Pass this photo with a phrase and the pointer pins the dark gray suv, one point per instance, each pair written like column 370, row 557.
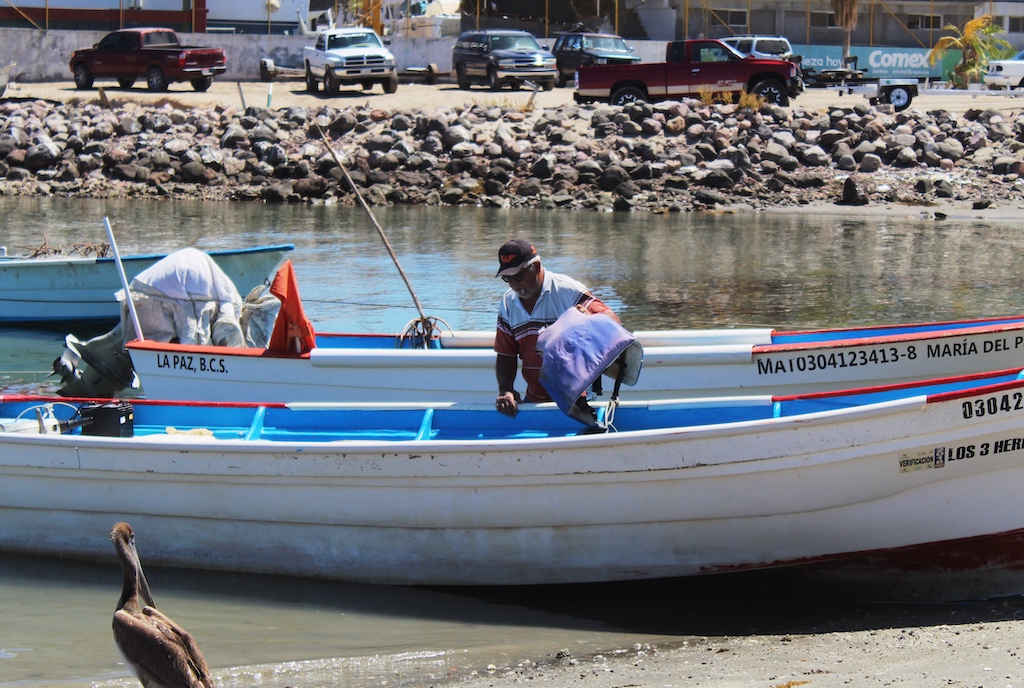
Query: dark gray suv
column 495, row 57
column 578, row 49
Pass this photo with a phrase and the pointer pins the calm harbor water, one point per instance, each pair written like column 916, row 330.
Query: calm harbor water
column 788, row 271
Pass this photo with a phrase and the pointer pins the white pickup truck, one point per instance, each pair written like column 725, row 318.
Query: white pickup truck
column 349, row 56
column 1006, row 74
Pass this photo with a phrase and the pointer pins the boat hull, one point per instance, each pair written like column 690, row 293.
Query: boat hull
column 935, row 475
column 676, row 363
column 47, row 290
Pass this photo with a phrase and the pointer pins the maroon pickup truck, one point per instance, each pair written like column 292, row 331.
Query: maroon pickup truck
column 690, row 66
column 154, row 54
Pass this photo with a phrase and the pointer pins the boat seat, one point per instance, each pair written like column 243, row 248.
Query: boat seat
column 426, row 425
column 256, row 427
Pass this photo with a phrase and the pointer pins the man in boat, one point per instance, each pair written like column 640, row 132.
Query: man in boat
column 534, row 300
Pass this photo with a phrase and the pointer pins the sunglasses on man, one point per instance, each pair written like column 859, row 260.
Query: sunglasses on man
column 519, row 276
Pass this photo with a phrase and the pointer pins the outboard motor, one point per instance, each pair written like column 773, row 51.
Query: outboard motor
column 99, row 367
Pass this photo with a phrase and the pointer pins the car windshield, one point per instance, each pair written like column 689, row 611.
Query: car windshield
column 612, row 44
column 514, row 43
column 354, row 40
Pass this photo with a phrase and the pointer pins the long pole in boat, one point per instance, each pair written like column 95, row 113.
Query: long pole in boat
column 426, row 323
column 124, row 281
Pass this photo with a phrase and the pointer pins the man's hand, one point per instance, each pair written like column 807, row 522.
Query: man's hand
column 508, row 403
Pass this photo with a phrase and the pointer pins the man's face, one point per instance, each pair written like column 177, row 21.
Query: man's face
column 526, row 283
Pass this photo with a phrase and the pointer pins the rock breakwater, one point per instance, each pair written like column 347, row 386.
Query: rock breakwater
column 654, row 157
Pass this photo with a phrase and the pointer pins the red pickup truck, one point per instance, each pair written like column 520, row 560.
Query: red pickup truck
column 690, row 66
column 154, row 54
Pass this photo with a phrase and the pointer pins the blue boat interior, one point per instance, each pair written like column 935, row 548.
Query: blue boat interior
column 374, row 341
column 318, row 424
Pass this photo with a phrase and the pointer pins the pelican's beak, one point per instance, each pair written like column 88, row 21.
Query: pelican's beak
column 143, row 583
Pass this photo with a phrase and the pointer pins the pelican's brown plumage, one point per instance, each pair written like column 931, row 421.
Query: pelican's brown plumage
column 158, row 651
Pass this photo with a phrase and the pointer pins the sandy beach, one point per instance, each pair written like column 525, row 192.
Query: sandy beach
column 768, row 631
column 423, row 97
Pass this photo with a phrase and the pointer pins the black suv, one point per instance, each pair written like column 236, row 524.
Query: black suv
column 575, row 50
column 496, row 57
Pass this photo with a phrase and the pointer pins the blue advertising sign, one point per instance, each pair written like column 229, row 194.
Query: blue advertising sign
column 884, row 62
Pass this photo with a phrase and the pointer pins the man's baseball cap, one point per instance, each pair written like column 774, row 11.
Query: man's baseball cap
column 513, row 255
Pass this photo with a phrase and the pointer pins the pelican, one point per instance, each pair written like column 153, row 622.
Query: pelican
column 158, row 651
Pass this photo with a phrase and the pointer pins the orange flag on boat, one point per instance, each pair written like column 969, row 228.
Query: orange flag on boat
column 292, row 330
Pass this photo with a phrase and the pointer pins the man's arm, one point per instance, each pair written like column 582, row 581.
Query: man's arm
column 505, row 369
column 596, row 305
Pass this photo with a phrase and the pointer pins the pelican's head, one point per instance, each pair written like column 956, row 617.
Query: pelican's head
column 123, row 538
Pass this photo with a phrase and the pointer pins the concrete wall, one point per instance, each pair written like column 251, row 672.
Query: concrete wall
column 44, row 55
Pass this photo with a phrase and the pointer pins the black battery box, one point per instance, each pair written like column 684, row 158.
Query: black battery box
column 108, row 419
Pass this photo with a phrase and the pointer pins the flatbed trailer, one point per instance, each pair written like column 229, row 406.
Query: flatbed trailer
column 896, row 92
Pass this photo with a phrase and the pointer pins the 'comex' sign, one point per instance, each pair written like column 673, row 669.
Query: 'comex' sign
column 887, row 62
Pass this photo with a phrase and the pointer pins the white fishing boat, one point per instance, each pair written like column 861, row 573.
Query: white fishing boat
column 913, row 483
column 62, row 288
column 459, row 366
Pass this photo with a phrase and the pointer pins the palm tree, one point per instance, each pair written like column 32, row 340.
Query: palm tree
column 978, row 44
column 846, row 16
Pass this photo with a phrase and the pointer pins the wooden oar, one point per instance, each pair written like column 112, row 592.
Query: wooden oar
column 424, row 326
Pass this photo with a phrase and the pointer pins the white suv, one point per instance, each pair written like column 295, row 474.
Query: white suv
column 776, row 47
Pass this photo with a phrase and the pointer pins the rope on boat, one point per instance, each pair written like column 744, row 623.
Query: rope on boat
column 423, row 326
column 414, row 329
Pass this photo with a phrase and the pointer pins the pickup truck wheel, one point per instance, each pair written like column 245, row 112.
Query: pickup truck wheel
column 330, row 85
column 125, row 82
column 155, row 79
column 461, row 78
column 492, row 80
column 548, row 85
column 83, row 77
column 391, row 85
column 899, row 97
column 312, row 86
column 202, row 84
column 561, row 81
column 626, row 95
column 772, row 91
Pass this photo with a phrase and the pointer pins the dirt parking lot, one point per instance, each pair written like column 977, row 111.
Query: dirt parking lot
column 427, row 98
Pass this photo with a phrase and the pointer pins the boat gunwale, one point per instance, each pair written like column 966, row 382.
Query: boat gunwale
column 937, row 334
column 698, row 348
column 504, row 445
column 19, row 261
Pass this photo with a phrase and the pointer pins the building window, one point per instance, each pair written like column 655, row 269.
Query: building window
column 924, row 21
column 823, row 20
column 1016, row 25
column 733, row 18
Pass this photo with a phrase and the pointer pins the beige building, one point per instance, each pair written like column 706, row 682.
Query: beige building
column 901, row 23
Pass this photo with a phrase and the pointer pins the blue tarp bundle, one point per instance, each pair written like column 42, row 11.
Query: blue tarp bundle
column 576, row 349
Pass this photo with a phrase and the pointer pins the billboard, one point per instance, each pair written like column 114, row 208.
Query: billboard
column 883, row 62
